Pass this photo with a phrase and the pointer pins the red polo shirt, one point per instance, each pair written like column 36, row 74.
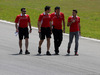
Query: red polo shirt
column 22, row 20
column 74, row 26
column 57, row 20
column 45, row 20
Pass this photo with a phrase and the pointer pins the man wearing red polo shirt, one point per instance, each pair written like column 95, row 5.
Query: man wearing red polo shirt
column 57, row 19
column 74, row 24
column 23, row 20
column 44, row 29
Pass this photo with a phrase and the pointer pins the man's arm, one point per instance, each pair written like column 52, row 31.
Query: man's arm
column 16, row 26
column 63, row 23
column 63, row 26
column 30, row 27
column 69, row 23
column 16, row 22
column 51, row 22
column 39, row 26
column 79, row 29
column 51, row 26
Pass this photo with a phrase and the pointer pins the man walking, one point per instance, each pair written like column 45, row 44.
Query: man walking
column 44, row 29
column 74, row 24
column 23, row 20
column 57, row 19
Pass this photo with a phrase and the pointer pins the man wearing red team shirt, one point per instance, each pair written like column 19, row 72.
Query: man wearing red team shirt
column 74, row 24
column 23, row 20
column 57, row 19
column 44, row 29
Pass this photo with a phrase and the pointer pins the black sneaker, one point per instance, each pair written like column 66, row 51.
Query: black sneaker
column 68, row 51
column 39, row 50
column 21, row 51
column 76, row 54
column 48, row 53
column 56, row 52
column 27, row 52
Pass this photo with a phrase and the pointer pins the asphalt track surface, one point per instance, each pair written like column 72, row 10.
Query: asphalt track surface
column 11, row 63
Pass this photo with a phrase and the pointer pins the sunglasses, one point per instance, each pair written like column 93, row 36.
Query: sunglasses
column 23, row 11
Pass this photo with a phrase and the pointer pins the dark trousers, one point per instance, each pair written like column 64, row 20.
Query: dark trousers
column 58, row 36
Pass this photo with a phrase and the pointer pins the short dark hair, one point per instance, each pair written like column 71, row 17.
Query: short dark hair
column 47, row 8
column 75, row 11
column 23, row 9
column 57, row 7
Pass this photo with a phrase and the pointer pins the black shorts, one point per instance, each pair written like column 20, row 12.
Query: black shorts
column 45, row 32
column 23, row 32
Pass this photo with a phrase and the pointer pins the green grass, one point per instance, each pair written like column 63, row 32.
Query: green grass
column 88, row 10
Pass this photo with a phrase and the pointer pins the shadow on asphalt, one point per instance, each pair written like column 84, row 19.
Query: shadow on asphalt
column 70, row 55
column 52, row 55
column 17, row 54
column 43, row 55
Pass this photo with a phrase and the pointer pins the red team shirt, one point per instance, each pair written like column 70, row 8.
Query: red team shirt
column 57, row 20
column 45, row 20
column 22, row 20
column 74, row 26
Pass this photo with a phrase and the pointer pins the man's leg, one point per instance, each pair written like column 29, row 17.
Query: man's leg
column 48, row 36
column 55, row 34
column 40, row 43
column 26, row 43
column 20, row 34
column 59, row 41
column 71, row 36
column 60, row 37
column 56, row 44
column 39, row 48
column 48, row 44
column 42, row 37
column 26, row 36
column 26, row 46
column 20, row 44
column 76, row 41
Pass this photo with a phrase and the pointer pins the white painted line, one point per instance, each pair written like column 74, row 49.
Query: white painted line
column 13, row 23
column 6, row 22
column 85, row 38
column 34, row 28
column 90, row 39
column 64, row 33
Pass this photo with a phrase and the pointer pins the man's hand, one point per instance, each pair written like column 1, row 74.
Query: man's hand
column 30, row 30
column 63, row 30
column 79, row 33
column 39, row 31
column 51, row 31
column 16, row 30
column 73, row 21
